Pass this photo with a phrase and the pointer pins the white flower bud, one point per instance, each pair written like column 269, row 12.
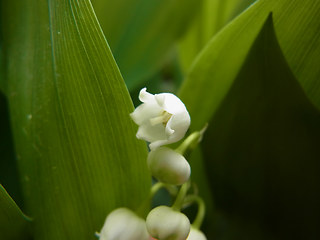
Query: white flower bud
column 162, row 118
column 196, row 234
column 168, row 166
column 122, row 224
column 163, row 223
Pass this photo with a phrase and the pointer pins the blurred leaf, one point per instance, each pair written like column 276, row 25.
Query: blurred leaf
column 75, row 142
column 13, row 223
column 168, row 79
column 214, row 15
column 2, row 83
column 262, row 149
column 9, row 176
column 297, row 25
column 2, row 78
column 142, row 33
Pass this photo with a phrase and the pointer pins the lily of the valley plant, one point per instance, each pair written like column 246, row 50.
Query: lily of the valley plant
column 79, row 162
column 163, row 119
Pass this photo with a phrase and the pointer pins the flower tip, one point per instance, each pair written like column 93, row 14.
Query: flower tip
column 144, row 96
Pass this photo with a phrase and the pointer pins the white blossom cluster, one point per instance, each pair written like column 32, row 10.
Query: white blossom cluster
column 162, row 119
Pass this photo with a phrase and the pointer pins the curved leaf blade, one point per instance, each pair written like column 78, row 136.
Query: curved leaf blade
column 213, row 72
column 262, row 149
column 13, row 223
column 212, row 17
column 75, row 141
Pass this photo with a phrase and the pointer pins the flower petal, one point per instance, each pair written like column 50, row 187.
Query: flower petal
column 145, row 112
column 196, row 234
column 157, row 144
column 173, row 104
column 160, row 98
column 162, row 118
column 179, row 123
column 165, row 223
column 151, row 133
column 144, row 96
column 121, row 224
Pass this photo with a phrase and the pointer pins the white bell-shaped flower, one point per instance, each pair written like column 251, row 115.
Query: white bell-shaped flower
column 168, row 166
column 162, row 118
column 163, row 223
column 196, row 234
column 122, row 224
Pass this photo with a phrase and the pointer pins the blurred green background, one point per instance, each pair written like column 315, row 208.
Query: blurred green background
column 248, row 68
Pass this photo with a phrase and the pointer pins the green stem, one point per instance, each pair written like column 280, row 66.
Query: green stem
column 141, row 211
column 173, row 190
column 180, row 197
column 155, row 188
column 191, row 141
column 201, row 210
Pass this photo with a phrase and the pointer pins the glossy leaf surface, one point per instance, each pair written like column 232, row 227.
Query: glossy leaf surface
column 213, row 72
column 75, row 142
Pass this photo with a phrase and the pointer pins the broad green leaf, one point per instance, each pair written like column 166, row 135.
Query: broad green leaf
column 143, row 33
column 75, row 142
column 297, row 27
column 262, row 149
column 14, row 225
column 212, row 17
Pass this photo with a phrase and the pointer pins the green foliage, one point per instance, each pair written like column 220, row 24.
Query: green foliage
column 9, row 176
column 142, row 33
column 208, row 84
column 254, row 78
column 262, row 148
column 75, row 143
column 217, row 66
column 14, row 224
column 212, row 17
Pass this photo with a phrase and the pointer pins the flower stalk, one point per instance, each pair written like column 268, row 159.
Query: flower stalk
column 201, row 210
column 180, row 197
column 162, row 119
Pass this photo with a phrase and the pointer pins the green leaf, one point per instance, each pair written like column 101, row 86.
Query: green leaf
column 14, row 224
column 297, row 27
column 9, row 176
column 143, row 33
column 214, row 15
column 262, row 149
column 75, row 142
column 2, row 78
